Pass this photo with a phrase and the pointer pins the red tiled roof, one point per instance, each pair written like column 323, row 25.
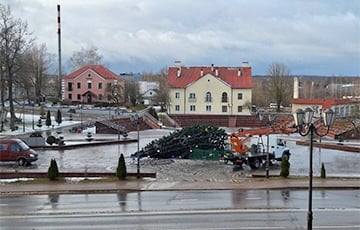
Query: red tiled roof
column 325, row 103
column 99, row 69
column 227, row 74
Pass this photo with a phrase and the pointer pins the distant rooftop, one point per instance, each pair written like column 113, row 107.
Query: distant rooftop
column 131, row 76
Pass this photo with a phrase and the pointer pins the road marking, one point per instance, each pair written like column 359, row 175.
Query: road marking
column 180, row 212
column 3, row 205
column 336, row 227
column 253, row 198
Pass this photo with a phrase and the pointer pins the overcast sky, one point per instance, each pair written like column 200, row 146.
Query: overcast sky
column 320, row 37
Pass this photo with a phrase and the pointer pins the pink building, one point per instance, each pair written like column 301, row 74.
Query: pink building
column 92, row 84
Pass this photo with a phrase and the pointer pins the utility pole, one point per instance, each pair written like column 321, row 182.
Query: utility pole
column 59, row 46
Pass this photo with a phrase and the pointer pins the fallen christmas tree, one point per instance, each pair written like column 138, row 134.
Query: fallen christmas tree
column 183, row 143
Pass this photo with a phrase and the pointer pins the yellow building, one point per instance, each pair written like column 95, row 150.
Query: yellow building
column 210, row 90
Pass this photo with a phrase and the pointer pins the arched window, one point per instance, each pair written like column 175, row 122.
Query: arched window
column 208, row 97
column 224, row 97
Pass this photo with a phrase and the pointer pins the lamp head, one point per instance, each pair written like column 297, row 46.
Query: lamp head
column 261, row 116
column 309, row 113
column 271, row 117
column 299, row 117
column 329, row 117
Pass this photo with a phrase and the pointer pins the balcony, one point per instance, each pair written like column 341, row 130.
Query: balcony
column 192, row 99
column 224, row 99
column 208, row 99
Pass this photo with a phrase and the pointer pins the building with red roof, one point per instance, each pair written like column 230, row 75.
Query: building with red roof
column 210, row 89
column 91, row 84
column 342, row 107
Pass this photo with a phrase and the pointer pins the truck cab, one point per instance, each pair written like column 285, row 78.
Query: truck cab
column 16, row 150
column 280, row 150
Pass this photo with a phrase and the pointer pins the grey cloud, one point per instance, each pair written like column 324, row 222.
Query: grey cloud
column 305, row 35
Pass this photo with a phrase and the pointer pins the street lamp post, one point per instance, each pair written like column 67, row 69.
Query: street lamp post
column 135, row 118
column 305, row 125
column 81, row 118
column 23, row 123
column 109, row 110
column 270, row 120
column 33, row 121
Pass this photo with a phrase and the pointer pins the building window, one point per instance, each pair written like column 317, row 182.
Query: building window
column 192, row 107
column 240, row 96
column 192, row 97
column 208, row 97
column 70, row 96
column 224, row 97
column 101, row 97
column 224, row 108
column 177, row 107
column 100, row 85
column 240, row 108
column 70, row 86
column 177, row 95
column 78, row 85
column 208, row 108
column 89, row 85
column 79, row 97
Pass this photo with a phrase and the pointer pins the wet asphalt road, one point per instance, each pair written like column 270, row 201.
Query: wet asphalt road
column 216, row 209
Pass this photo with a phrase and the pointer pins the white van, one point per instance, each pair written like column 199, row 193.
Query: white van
column 274, row 106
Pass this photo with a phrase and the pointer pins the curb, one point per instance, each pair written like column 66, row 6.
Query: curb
column 114, row 187
column 11, row 175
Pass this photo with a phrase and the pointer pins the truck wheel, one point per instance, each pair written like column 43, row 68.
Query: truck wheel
column 21, row 162
column 256, row 163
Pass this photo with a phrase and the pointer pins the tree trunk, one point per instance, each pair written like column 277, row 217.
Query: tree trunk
column 11, row 103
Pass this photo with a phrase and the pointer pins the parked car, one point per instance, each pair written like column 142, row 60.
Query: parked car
column 18, row 151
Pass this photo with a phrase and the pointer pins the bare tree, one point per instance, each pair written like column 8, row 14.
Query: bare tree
column 114, row 93
column 132, row 92
column 14, row 40
column 85, row 57
column 259, row 98
column 279, row 84
column 162, row 94
column 36, row 66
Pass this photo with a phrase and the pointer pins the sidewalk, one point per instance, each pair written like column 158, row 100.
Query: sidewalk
column 153, row 185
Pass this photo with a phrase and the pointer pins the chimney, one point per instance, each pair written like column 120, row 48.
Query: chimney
column 177, row 63
column 296, row 88
column 179, row 71
column 212, row 67
column 245, row 64
column 201, row 72
column 239, row 72
column 216, row 72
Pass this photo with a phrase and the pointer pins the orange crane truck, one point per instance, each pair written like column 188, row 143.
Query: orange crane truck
column 256, row 154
